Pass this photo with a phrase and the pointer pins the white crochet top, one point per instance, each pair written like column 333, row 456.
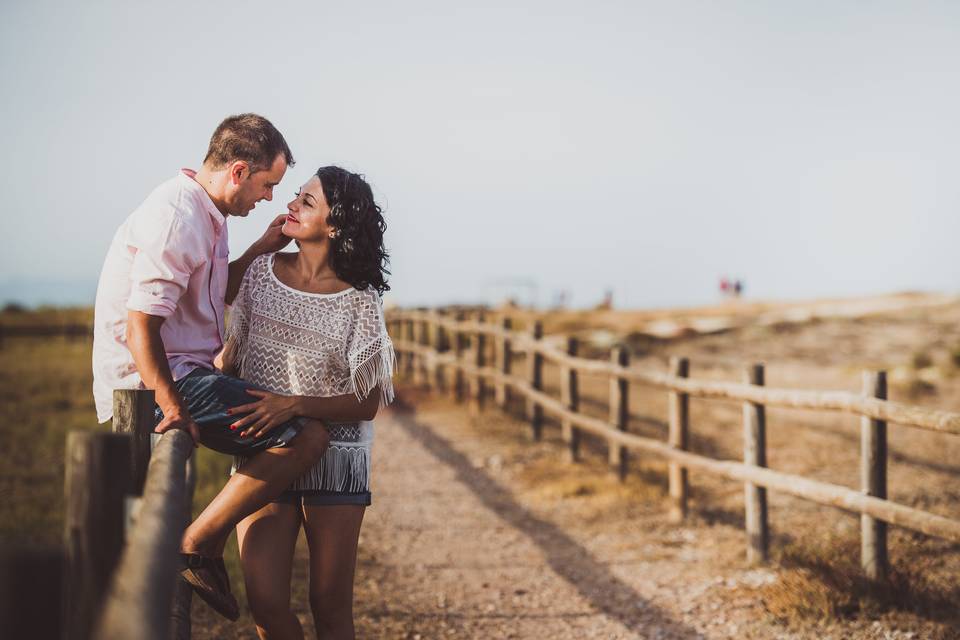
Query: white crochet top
column 314, row 344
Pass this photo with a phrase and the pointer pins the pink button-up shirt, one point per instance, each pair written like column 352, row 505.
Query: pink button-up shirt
column 168, row 259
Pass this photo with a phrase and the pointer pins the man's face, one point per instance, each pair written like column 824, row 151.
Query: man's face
column 246, row 189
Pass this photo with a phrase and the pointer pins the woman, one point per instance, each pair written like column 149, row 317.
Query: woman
column 309, row 328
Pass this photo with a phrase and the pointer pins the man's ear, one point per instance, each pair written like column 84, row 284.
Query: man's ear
column 239, row 171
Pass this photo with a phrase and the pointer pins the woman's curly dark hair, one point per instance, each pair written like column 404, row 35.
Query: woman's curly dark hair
column 357, row 254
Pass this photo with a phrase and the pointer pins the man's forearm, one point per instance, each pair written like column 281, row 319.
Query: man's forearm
column 343, row 408
column 150, row 356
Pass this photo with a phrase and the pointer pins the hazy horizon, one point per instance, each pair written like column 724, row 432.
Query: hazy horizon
column 526, row 148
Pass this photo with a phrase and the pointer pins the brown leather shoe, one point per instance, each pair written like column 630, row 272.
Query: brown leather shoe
column 209, row 578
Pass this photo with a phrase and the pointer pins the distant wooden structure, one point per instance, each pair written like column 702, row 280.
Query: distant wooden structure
column 480, row 369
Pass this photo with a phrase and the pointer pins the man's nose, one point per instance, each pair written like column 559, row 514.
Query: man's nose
column 269, row 196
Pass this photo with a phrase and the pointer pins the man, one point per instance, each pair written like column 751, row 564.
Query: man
column 159, row 323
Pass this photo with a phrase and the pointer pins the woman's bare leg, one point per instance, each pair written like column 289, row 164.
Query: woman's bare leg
column 267, row 541
column 332, row 535
column 261, row 479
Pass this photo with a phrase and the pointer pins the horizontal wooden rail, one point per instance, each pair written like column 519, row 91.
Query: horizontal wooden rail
column 138, row 605
column 813, row 490
column 842, row 401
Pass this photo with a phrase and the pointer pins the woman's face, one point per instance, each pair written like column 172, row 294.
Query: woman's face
column 307, row 214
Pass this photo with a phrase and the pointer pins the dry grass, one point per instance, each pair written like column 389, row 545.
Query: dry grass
column 821, row 581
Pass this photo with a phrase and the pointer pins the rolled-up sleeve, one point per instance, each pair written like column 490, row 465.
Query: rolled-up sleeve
column 166, row 253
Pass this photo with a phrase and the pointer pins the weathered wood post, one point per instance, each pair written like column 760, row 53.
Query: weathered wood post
column 570, row 396
column 679, row 438
column 133, row 415
column 535, row 369
column 478, row 385
column 180, row 624
column 755, row 453
column 873, row 480
column 143, row 588
column 503, row 363
column 31, row 592
column 412, row 360
column 97, row 481
column 396, row 333
column 459, row 344
column 619, row 412
column 438, row 336
column 420, row 373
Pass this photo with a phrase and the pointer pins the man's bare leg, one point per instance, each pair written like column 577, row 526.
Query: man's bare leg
column 262, row 478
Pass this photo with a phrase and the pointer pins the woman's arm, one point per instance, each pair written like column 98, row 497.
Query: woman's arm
column 273, row 409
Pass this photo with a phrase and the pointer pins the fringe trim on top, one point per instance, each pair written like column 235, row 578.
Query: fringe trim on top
column 341, row 469
column 377, row 369
column 235, row 349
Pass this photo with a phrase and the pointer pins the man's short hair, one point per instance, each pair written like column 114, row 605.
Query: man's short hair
column 250, row 138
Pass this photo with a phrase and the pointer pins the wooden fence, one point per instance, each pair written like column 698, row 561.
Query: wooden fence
column 128, row 499
column 467, row 355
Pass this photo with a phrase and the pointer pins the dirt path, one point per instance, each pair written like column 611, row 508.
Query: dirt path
column 478, row 533
column 449, row 551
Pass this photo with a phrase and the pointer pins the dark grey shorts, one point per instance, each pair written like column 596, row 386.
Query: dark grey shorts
column 314, row 498
column 208, row 394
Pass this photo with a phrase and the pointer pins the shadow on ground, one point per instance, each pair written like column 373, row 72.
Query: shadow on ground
column 574, row 563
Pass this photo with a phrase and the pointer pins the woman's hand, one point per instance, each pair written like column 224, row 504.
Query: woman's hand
column 265, row 414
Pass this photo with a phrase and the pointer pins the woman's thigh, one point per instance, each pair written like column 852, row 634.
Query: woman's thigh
column 268, row 539
column 332, row 533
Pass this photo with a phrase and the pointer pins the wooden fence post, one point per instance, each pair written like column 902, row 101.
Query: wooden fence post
column 535, row 369
column 97, row 481
column 420, row 377
column 478, row 387
column 439, row 372
column 133, row 414
column 411, row 364
column 873, row 479
column 180, row 622
column 396, row 333
column 31, row 592
column 619, row 412
column 459, row 379
column 570, row 396
column 679, row 438
column 755, row 453
column 502, row 390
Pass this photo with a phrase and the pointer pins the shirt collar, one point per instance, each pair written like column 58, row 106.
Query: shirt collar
column 187, row 179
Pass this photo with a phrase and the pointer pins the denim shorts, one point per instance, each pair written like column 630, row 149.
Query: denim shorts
column 208, row 394
column 313, row 498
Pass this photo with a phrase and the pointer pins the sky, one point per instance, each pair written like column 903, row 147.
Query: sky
column 526, row 148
